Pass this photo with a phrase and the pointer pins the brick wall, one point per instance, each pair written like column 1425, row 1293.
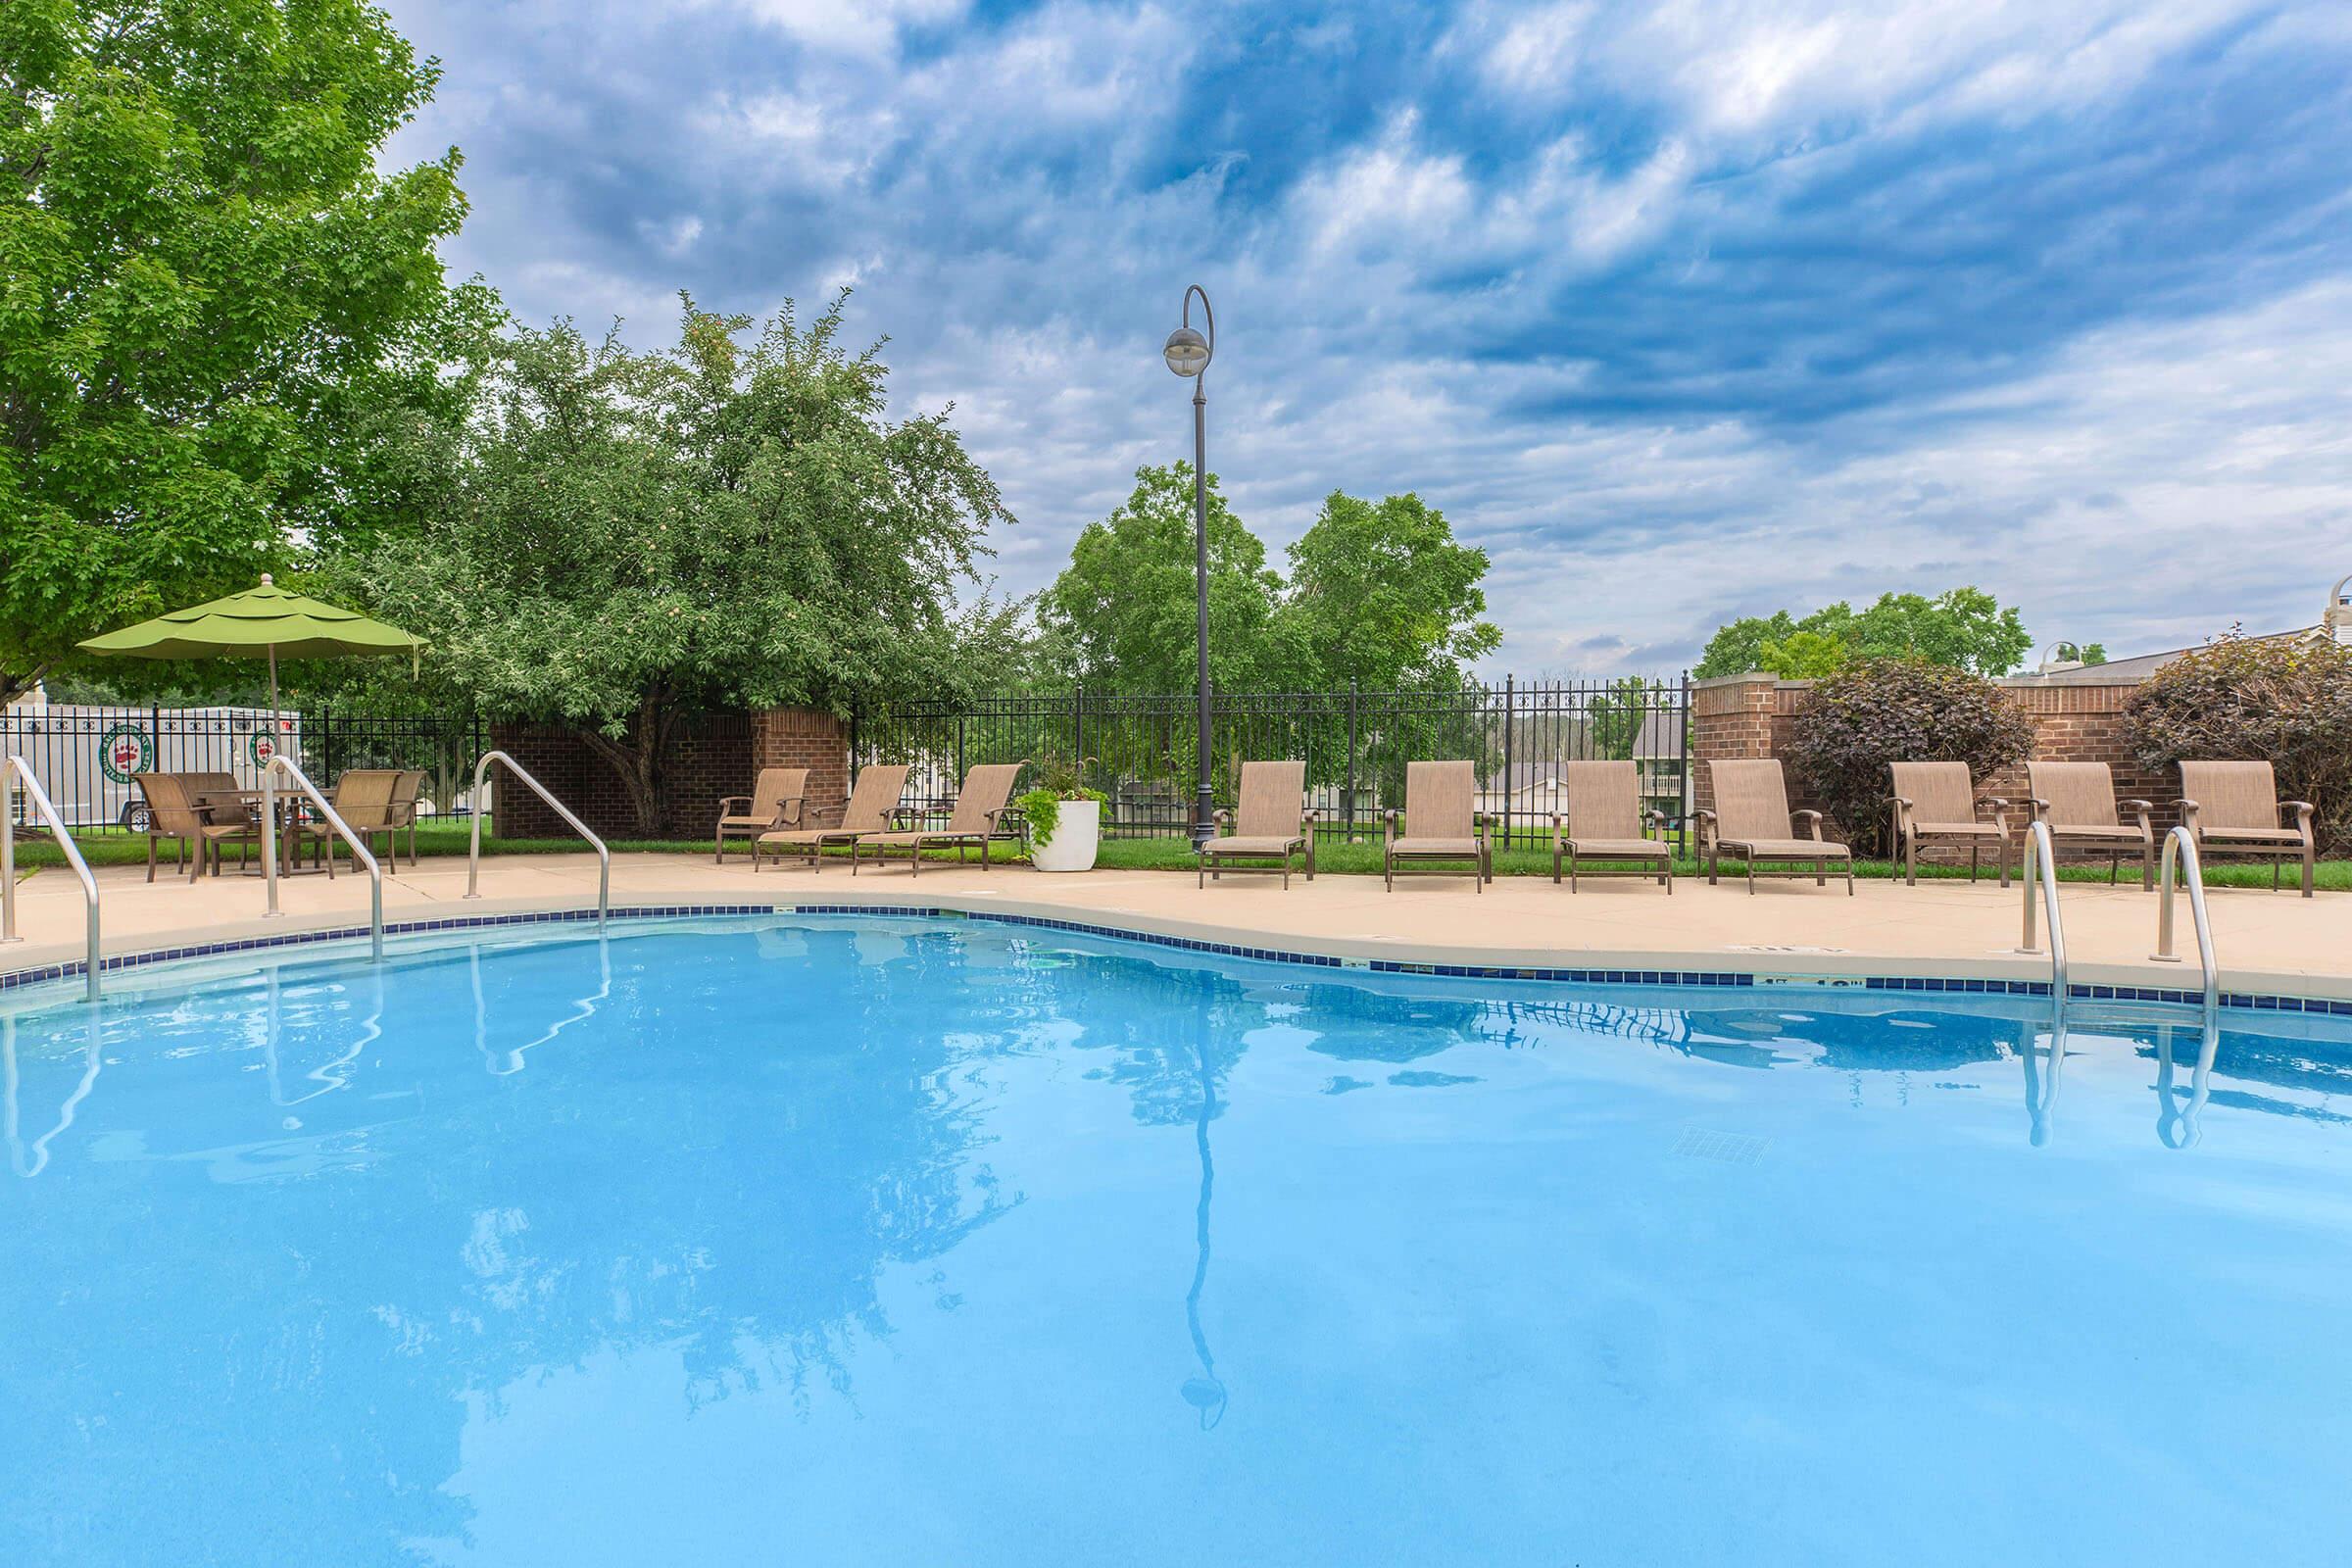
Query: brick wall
column 1731, row 716
column 711, row 758
column 800, row 737
column 1753, row 716
column 712, row 754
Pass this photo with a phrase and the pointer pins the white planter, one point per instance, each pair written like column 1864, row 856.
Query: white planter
column 1077, row 829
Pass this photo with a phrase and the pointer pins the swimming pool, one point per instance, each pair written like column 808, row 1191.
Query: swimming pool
column 875, row 1240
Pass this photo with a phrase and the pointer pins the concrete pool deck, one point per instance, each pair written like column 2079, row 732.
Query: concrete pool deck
column 2268, row 943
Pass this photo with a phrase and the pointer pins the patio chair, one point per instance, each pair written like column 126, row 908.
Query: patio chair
column 1271, row 820
column 1441, row 808
column 1752, row 819
column 2234, row 809
column 1604, row 821
column 981, row 815
column 774, row 802
column 2077, row 800
column 873, row 801
column 404, row 796
column 1936, row 804
column 363, row 798
column 173, row 813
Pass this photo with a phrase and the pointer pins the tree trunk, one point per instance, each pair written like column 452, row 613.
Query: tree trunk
column 637, row 756
column 13, row 684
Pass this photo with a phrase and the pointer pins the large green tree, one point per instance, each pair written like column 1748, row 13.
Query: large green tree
column 730, row 522
column 1122, row 613
column 1381, row 593
column 214, row 305
column 1965, row 628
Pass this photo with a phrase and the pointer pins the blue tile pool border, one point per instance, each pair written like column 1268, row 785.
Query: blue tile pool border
column 1737, row 979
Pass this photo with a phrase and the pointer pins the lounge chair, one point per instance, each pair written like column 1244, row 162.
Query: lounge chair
column 1752, row 819
column 1604, row 822
column 873, row 803
column 2077, row 800
column 1440, row 808
column 1272, row 821
column 981, row 815
column 173, row 813
column 2234, row 809
column 1936, row 804
column 774, row 802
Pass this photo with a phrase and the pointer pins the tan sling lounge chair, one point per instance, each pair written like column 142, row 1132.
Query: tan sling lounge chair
column 873, row 801
column 2078, row 801
column 1603, row 822
column 2234, row 809
column 172, row 813
column 1272, row 823
column 1440, row 808
column 1937, row 802
column 981, row 814
column 1752, row 820
column 774, row 802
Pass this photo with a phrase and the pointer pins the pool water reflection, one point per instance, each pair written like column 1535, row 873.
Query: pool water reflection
column 866, row 1240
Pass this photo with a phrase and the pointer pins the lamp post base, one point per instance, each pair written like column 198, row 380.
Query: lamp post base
column 1205, row 817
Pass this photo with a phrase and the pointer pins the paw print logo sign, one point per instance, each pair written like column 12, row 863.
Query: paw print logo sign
column 125, row 750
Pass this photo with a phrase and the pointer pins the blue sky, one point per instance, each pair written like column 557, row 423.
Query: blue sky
column 1683, row 310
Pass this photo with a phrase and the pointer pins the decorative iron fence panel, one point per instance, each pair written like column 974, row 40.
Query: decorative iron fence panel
column 1138, row 750
column 87, row 755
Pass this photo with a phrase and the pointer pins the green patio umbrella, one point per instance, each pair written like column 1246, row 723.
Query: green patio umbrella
column 259, row 623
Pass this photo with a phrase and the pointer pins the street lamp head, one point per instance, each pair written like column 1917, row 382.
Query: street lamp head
column 1186, row 352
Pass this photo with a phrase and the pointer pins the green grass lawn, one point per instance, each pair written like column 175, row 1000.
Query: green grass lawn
column 1332, row 855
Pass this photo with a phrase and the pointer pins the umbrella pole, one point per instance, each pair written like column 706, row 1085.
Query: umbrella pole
column 269, row 792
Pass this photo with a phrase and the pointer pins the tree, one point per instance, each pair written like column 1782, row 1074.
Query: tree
column 214, row 303
column 1123, row 610
column 720, row 524
column 1964, row 629
column 1383, row 595
column 2082, row 654
column 1804, row 655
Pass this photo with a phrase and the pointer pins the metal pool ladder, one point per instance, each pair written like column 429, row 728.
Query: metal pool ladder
column 2180, row 854
column 15, row 770
column 278, row 763
column 473, row 857
column 2042, row 872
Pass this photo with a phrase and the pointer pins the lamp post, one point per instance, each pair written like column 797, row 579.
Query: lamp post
column 1188, row 353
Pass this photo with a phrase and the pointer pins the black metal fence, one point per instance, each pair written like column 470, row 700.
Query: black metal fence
column 1140, row 749
column 86, row 756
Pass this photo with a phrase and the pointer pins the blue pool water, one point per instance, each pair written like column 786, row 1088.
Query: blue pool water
column 879, row 1240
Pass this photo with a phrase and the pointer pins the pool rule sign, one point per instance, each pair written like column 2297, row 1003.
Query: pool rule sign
column 123, row 752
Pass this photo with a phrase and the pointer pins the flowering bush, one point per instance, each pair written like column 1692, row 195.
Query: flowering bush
column 2284, row 702
column 1884, row 711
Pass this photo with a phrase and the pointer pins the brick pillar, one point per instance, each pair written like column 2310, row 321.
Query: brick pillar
column 1730, row 716
column 803, row 737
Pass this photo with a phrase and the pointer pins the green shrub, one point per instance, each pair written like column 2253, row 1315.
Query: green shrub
column 1884, row 710
column 2285, row 703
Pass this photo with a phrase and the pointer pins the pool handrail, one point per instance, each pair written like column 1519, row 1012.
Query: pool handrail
column 2181, row 847
column 474, row 855
column 2041, row 872
column 17, row 769
column 279, row 763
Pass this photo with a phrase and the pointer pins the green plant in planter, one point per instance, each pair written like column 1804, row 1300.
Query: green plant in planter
column 1056, row 782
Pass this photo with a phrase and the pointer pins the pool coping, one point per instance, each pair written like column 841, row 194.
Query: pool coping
column 2244, row 989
